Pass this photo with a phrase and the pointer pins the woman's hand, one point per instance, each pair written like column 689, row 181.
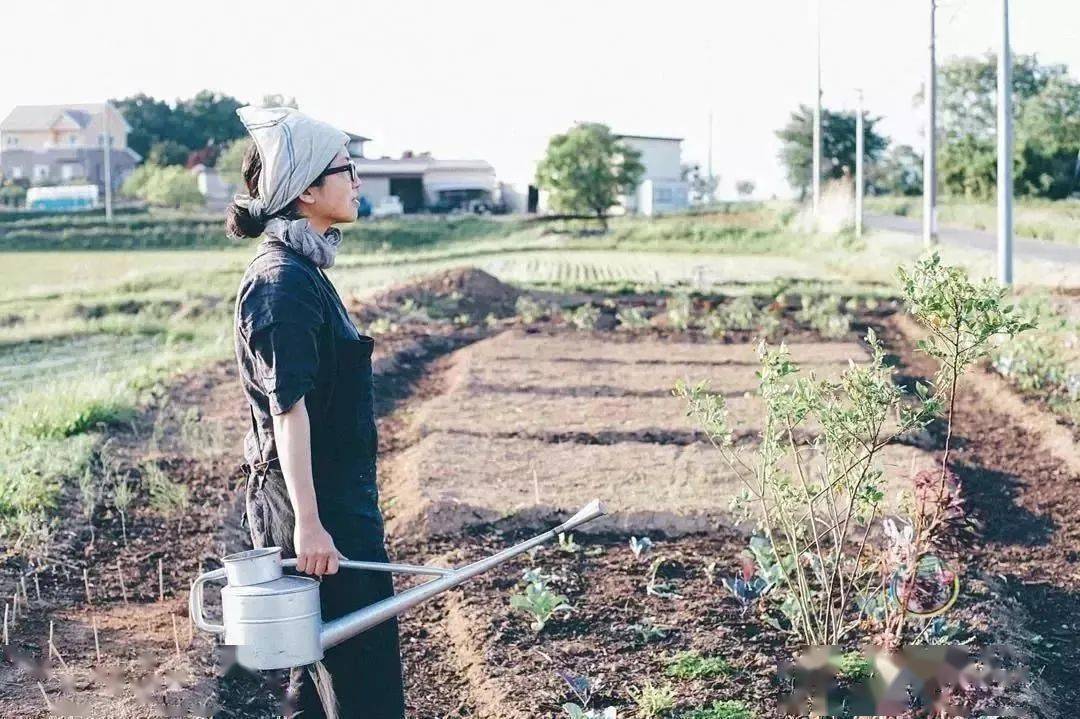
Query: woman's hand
column 315, row 550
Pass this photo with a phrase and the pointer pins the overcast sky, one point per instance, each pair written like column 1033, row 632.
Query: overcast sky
column 480, row 79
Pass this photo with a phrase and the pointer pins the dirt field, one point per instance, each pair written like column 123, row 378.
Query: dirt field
column 487, row 436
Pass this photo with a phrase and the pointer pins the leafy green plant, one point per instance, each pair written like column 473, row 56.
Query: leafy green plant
column 584, row 317
column 854, row 667
column 538, row 602
column 692, row 665
column 529, row 310
column 680, row 312
column 583, row 689
column 723, row 709
column 825, row 315
column 567, row 543
column 647, row 631
column 632, row 318
column 740, row 313
column 656, row 586
column 653, row 701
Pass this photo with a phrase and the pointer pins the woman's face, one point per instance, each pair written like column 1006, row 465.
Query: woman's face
column 336, row 200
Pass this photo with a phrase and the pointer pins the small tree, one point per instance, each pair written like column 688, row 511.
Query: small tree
column 745, row 188
column 587, row 168
column 171, row 186
column 837, row 145
column 167, row 152
column 230, row 160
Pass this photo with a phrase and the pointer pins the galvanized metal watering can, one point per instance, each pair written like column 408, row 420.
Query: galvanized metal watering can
column 275, row 622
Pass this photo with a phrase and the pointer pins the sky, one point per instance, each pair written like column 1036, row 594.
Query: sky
column 480, row 79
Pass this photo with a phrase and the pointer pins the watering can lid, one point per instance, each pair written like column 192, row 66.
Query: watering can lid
column 285, row 584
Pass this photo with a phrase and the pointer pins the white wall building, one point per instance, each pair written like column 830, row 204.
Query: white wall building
column 662, row 188
column 426, row 183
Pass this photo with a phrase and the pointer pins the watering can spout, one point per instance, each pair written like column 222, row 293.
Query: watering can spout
column 339, row 630
column 274, row 620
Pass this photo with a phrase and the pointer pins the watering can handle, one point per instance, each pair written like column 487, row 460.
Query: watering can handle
column 195, row 601
column 381, row 567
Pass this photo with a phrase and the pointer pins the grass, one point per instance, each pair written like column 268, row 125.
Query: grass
column 1051, row 220
column 725, row 709
column 692, row 665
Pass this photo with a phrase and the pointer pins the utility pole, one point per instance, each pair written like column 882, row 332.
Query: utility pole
column 859, row 152
column 930, row 233
column 106, row 142
column 817, row 121
column 1005, row 153
column 712, row 190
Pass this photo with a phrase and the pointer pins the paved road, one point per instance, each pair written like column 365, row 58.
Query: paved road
column 1024, row 248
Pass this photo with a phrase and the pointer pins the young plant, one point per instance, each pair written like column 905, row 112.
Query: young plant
column 632, row 318
column 583, row 689
column 89, row 493
column 167, row 498
column 529, row 310
column 539, row 603
column 653, row 701
column 826, row 315
column 567, row 543
column 747, row 588
column 648, row 631
column 584, row 317
column 123, row 495
column 723, row 709
column 692, row 665
column 640, row 546
column 656, row 586
column 814, row 518
column 680, row 312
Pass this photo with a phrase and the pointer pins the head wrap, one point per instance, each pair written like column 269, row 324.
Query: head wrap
column 294, row 150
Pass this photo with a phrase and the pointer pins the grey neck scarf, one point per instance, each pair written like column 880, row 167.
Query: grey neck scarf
column 298, row 234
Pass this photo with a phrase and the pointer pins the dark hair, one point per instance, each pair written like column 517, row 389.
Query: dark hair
column 239, row 224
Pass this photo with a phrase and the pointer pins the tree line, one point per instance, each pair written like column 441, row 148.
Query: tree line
column 1046, row 161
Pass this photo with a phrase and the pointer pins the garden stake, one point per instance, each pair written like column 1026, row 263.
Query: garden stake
column 160, row 582
column 86, row 583
column 48, row 704
column 97, row 645
column 15, row 607
column 37, row 586
column 123, row 588
column 53, row 649
column 175, row 636
column 6, row 607
column 26, row 598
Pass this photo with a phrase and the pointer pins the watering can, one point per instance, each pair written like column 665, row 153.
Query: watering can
column 275, row 622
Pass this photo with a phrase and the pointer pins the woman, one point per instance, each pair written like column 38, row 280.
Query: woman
column 306, row 372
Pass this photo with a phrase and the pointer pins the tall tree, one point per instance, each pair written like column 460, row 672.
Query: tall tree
column 837, row 145
column 587, row 168
column 206, row 119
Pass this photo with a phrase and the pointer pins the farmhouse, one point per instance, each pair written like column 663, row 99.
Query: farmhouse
column 662, row 188
column 422, row 182
column 54, row 144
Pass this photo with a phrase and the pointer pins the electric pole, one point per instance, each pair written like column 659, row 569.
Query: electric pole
column 817, row 120
column 930, row 234
column 712, row 190
column 1005, row 153
column 859, row 152
column 106, row 142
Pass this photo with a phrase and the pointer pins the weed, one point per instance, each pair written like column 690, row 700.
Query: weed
column 854, row 667
column 722, row 709
column 692, row 665
column 653, row 701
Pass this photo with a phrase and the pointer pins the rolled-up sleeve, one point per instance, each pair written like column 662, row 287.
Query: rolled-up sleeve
column 281, row 316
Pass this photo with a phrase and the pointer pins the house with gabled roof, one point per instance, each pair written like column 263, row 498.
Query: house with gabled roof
column 64, row 144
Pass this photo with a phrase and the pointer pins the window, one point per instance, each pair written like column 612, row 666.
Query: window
column 71, row 170
column 662, row 194
column 16, row 173
column 72, row 139
column 12, row 140
column 41, row 172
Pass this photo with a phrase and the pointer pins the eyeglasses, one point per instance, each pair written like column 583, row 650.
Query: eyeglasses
column 351, row 168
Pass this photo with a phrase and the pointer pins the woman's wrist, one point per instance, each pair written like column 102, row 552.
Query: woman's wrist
column 308, row 519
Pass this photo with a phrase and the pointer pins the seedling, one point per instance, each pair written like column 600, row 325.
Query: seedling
column 653, row 701
column 528, row 309
column 680, row 312
column 692, row 665
column 567, row 543
column 655, row 586
column 584, row 317
column 123, row 494
column 583, row 689
column 632, row 318
column 539, row 603
column 854, row 667
column 648, row 631
column 640, row 546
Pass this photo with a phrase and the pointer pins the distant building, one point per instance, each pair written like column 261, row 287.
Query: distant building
column 424, row 183
column 356, row 145
column 662, row 188
column 62, row 144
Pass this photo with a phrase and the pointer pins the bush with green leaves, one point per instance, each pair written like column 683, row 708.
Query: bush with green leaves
column 816, row 500
column 680, row 312
column 538, row 602
column 529, row 310
column 825, row 315
column 584, row 317
column 632, row 318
